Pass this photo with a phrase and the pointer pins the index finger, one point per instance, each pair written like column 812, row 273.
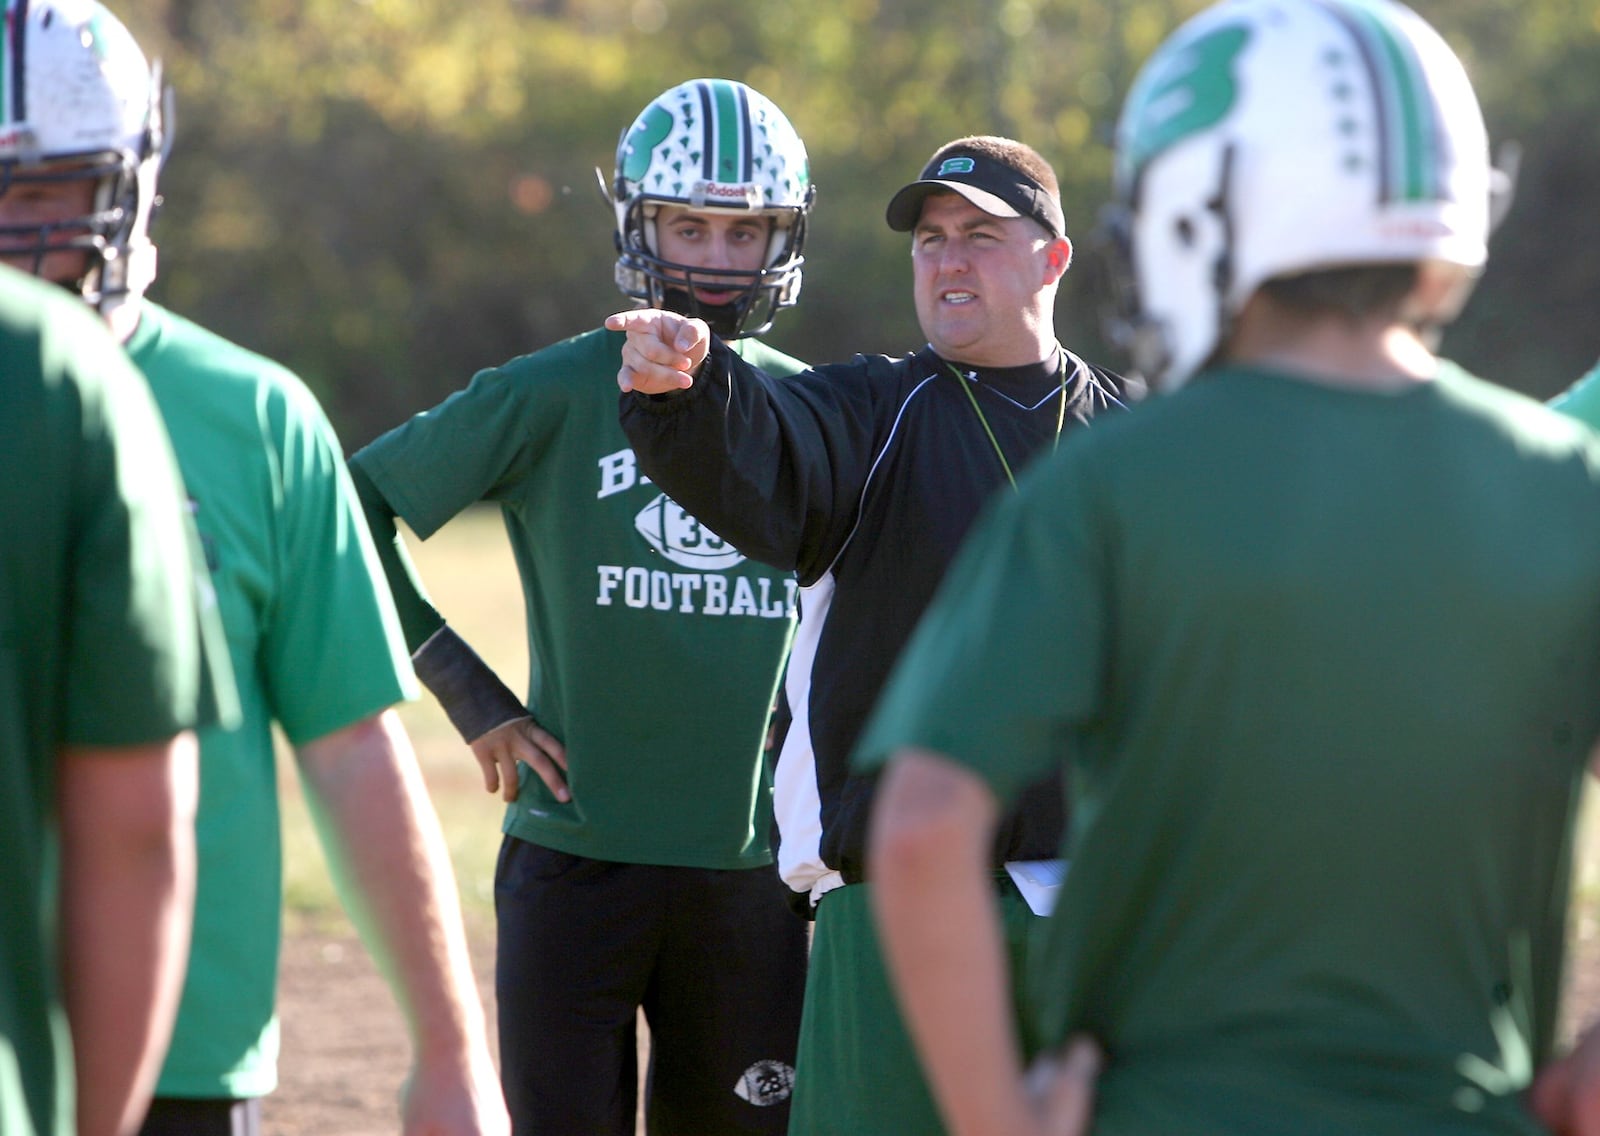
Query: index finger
column 635, row 319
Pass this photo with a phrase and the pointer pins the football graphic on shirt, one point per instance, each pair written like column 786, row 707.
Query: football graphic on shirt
column 682, row 539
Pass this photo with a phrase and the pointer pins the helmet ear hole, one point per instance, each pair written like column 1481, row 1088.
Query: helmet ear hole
column 1183, row 230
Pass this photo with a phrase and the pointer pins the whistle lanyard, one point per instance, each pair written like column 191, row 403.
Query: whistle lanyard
column 1061, row 415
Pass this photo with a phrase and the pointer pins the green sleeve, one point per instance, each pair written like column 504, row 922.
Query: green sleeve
column 418, row 617
column 479, row 444
column 330, row 590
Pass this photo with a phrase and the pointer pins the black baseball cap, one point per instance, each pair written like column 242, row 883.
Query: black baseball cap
column 996, row 187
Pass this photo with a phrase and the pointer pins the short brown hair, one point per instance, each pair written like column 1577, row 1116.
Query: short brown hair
column 1357, row 293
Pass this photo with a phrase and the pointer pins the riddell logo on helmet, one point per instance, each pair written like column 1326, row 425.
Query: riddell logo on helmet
column 716, row 191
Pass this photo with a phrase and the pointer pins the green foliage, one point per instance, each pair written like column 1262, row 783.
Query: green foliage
column 388, row 195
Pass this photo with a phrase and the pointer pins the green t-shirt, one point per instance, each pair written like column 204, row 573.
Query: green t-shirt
column 99, row 644
column 1326, row 668
column 315, row 647
column 653, row 644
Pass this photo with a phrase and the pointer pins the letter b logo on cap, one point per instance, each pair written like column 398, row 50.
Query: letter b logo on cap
column 955, row 166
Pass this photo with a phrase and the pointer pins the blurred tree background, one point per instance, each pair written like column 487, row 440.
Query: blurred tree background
column 388, row 195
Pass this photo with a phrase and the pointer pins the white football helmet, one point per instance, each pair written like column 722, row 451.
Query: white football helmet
column 1270, row 138
column 80, row 102
column 716, row 145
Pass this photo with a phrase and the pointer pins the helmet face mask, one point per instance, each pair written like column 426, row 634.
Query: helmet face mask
column 86, row 236
column 1271, row 138
column 712, row 146
column 89, row 110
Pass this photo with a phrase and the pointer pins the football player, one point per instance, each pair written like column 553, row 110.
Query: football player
column 1315, row 630
column 636, row 866
column 82, row 142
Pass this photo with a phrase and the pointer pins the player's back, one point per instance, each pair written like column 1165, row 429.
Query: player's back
column 1324, row 889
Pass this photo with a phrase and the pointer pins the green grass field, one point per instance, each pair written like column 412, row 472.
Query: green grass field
column 469, row 574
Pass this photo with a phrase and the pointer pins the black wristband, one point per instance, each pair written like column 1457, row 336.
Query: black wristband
column 472, row 695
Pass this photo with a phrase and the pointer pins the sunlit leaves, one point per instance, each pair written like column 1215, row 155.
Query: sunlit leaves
column 392, row 193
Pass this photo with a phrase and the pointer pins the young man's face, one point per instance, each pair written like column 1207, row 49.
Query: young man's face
column 713, row 241
column 981, row 282
column 32, row 205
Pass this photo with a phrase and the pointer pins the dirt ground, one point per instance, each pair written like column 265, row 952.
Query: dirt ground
column 344, row 1043
column 344, row 1048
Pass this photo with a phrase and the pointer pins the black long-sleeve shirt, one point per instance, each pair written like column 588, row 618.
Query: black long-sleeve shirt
column 862, row 477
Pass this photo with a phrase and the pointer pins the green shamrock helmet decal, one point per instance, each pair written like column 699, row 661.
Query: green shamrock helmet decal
column 639, row 143
column 1183, row 92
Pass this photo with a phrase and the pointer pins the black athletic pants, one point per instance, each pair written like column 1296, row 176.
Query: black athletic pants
column 180, row 1116
column 716, row 959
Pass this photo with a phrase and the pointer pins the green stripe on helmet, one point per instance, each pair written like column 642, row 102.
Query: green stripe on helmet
column 1412, row 159
column 727, row 123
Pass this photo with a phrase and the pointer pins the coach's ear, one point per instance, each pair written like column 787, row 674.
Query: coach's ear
column 1058, row 258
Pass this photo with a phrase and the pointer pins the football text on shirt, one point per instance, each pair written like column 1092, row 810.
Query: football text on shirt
column 696, row 592
column 679, row 538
